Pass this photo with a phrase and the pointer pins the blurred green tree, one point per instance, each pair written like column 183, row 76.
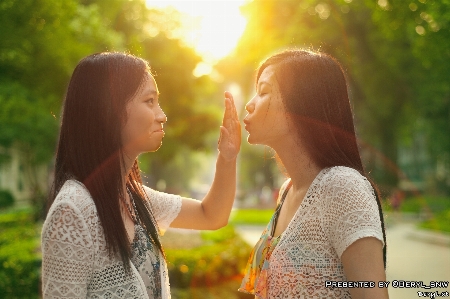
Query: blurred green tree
column 42, row 41
column 192, row 105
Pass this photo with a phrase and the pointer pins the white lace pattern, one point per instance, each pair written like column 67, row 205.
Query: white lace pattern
column 75, row 262
column 339, row 208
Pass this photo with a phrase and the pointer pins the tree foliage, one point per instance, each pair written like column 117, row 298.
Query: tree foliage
column 43, row 40
column 41, row 43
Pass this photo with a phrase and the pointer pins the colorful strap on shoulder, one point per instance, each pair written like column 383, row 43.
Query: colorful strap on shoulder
column 256, row 273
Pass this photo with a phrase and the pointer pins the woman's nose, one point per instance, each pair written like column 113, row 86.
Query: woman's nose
column 250, row 106
column 161, row 117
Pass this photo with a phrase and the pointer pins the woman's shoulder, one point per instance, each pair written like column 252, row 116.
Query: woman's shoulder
column 341, row 184
column 148, row 190
column 165, row 206
column 73, row 193
column 73, row 205
column 155, row 195
column 344, row 176
column 344, row 190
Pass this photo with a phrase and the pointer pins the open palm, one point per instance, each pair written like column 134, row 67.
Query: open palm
column 230, row 131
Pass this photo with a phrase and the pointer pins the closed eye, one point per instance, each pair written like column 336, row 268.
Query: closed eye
column 150, row 101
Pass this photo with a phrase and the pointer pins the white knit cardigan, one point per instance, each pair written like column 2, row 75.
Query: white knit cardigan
column 75, row 261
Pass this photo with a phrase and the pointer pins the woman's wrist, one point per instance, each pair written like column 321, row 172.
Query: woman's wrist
column 228, row 160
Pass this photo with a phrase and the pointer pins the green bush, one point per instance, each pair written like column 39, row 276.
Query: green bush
column 435, row 211
column 6, row 199
column 425, row 203
column 221, row 257
column 420, row 204
column 226, row 290
column 19, row 257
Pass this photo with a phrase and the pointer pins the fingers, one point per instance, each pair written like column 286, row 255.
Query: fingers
column 233, row 111
column 230, row 119
column 224, row 137
column 228, row 115
column 230, row 131
column 228, row 95
column 223, row 133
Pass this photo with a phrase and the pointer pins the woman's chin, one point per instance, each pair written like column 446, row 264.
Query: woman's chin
column 254, row 141
column 251, row 140
column 152, row 147
column 157, row 147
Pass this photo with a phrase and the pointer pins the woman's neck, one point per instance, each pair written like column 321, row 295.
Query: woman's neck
column 126, row 169
column 300, row 167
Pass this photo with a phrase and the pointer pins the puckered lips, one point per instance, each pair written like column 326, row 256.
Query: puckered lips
column 247, row 123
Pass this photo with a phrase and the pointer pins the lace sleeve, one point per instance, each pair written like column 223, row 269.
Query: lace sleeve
column 67, row 253
column 350, row 210
column 165, row 207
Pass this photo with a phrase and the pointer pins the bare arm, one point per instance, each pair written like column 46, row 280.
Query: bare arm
column 363, row 261
column 213, row 211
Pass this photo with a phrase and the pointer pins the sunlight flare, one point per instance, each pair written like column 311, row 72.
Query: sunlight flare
column 212, row 28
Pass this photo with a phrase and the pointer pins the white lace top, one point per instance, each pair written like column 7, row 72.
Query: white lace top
column 75, row 262
column 339, row 208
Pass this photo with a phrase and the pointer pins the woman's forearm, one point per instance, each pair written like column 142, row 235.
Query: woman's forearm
column 219, row 200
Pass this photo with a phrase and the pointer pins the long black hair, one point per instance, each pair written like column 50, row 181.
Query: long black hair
column 90, row 147
column 313, row 89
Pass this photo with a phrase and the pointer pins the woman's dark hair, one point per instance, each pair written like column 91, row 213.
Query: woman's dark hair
column 314, row 92
column 90, row 147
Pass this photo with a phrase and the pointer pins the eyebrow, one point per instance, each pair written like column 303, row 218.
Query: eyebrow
column 264, row 82
column 152, row 93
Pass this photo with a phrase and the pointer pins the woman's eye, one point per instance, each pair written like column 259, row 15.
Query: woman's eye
column 150, row 101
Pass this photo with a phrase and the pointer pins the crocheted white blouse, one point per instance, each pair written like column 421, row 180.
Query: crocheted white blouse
column 75, row 262
column 339, row 208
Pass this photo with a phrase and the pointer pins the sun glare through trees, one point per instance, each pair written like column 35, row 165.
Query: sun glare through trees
column 213, row 28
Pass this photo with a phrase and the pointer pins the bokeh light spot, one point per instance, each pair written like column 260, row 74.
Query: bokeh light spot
column 420, row 30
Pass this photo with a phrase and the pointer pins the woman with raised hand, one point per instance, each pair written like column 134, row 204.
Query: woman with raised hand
column 101, row 235
column 326, row 237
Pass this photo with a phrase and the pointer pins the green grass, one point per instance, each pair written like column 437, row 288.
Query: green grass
column 220, row 235
column 251, row 216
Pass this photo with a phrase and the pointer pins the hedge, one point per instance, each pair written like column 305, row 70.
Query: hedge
column 6, row 199
column 20, row 259
column 222, row 257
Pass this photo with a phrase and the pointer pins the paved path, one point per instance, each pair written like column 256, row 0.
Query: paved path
column 412, row 256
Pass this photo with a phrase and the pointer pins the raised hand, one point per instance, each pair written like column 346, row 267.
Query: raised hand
column 230, row 131
column 214, row 210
